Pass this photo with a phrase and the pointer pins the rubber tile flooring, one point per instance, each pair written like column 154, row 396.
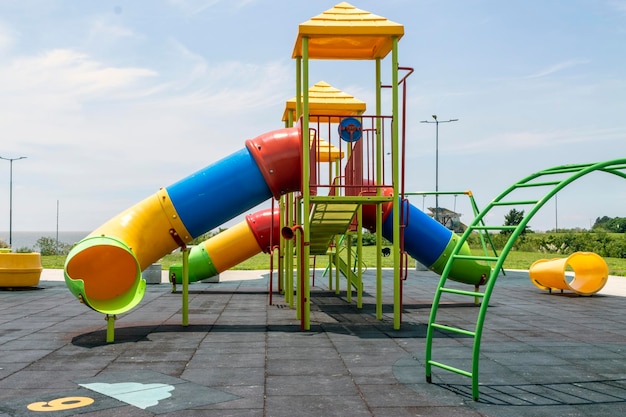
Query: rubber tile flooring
column 542, row 354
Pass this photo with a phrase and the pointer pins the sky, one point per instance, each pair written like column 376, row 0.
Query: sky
column 111, row 100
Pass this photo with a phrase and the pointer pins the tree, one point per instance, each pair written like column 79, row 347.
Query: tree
column 514, row 218
column 610, row 224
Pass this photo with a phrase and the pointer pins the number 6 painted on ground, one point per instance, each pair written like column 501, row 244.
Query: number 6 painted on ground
column 65, row 403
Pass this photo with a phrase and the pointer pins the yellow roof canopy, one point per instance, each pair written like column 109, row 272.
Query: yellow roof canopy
column 327, row 100
column 345, row 32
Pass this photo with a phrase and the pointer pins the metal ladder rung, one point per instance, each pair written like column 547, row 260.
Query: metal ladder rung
column 514, row 203
column 453, row 329
column 565, row 169
column 476, row 257
column 493, row 227
column 451, row 368
column 462, row 292
column 538, row 184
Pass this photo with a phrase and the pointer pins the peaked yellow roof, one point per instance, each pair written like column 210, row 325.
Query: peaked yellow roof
column 327, row 101
column 345, row 32
column 326, row 152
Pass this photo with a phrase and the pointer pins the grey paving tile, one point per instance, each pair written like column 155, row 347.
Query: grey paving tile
column 317, row 385
column 312, row 405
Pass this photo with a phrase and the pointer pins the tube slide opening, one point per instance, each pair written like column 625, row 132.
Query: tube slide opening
column 104, row 273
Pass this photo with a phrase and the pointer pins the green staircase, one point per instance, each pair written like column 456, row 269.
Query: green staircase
column 328, row 220
column 530, row 194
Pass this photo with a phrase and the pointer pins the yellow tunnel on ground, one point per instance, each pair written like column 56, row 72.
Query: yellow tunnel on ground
column 590, row 273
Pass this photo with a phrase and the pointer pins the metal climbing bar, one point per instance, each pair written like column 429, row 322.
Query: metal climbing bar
column 463, row 292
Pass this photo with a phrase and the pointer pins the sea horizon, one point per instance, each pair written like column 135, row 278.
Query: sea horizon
column 28, row 239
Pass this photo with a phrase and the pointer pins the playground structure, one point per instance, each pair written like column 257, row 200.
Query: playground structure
column 590, row 273
column 329, row 170
column 322, row 202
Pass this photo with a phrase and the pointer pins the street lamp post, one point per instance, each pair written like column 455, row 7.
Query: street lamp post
column 436, row 122
column 11, row 195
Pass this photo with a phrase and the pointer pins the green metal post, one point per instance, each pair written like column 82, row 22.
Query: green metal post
column 348, row 241
column 379, row 208
column 185, row 286
column 110, row 327
column 338, row 243
column 306, row 203
column 397, row 300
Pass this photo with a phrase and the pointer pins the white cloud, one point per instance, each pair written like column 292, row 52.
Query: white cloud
column 557, row 68
column 104, row 29
column 7, row 38
column 533, row 140
column 64, row 77
column 192, row 7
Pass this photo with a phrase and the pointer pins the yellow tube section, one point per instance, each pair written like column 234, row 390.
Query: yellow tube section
column 232, row 247
column 104, row 270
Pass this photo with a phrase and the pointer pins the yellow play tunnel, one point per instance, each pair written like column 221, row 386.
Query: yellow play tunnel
column 19, row 269
column 590, row 273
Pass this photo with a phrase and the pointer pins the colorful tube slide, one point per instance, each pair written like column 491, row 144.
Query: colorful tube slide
column 104, row 270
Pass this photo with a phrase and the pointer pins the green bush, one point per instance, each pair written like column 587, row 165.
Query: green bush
column 369, row 239
column 612, row 245
column 49, row 246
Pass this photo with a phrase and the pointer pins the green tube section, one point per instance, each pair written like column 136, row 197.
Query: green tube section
column 466, row 271
column 200, row 266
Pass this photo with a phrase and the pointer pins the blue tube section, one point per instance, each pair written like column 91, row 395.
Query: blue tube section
column 425, row 239
column 219, row 192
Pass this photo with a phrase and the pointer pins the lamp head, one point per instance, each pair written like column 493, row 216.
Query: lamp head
column 435, row 116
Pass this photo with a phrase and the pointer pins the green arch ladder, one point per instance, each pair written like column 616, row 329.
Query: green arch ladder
column 547, row 183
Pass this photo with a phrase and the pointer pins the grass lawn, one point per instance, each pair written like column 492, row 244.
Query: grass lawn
column 515, row 260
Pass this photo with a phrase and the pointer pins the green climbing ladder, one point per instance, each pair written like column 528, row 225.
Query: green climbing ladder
column 522, row 194
column 327, row 220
